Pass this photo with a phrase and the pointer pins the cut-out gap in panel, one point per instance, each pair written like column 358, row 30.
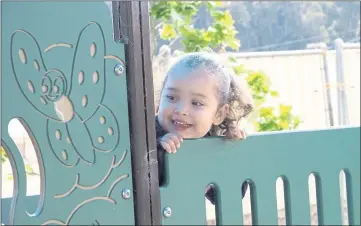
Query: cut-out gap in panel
column 22, row 140
column 102, row 120
column 280, row 197
column 100, row 140
column 81, row 77
column 95, row 77
column 64, row 109
column 247, row 202
column 22, row 56
column 110, row 131
column 31, row 87
column 312, row 191
column 84, row 101
column 56, row 89
column 210, row 204
column 343, row 198
column 28, row 148
column 36, row 65
column 7, row 177
column 93, row 49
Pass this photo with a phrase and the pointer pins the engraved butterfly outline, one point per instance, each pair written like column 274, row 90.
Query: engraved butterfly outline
column 64, row 104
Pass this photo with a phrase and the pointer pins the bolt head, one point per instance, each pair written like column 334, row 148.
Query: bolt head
column 167, row 212
column 126, row 194
column 119, row 69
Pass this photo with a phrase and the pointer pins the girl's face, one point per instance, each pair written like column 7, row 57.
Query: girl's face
column 189, row 104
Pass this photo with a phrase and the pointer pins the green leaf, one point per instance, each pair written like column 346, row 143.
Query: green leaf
column 239, row 69
column 219, row 3
column 274, row 93
column 227, row 19
column 4, row 157
column 235, row 44
column 215, row 4
column 168, row 32
column 284, row 125
column 232, row 59
column 285, row 109
column 207, row 36
column 28, row 169
column 266, row 111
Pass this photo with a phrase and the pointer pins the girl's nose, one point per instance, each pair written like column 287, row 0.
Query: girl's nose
column 181, row 109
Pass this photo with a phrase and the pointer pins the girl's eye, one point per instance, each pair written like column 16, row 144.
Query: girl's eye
column 196, row 103
column 169, row 97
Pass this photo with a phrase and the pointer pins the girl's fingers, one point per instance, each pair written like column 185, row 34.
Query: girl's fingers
column 176, row 139
column 243, row 134
column 166, row 146
column 179, row 137
column 171, row 142
column 172, row 147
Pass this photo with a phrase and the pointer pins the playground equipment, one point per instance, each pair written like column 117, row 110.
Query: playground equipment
column 78, row 78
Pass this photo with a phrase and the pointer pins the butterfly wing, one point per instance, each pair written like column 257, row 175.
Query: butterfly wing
column 29, row 69
column 104, row 129
column 60, row 143
column 67, row 150
column 88, row 72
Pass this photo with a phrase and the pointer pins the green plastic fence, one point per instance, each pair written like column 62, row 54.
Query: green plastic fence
column 262, row 159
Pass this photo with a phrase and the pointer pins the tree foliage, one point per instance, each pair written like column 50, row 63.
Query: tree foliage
column 3, row 155
column 277, row 25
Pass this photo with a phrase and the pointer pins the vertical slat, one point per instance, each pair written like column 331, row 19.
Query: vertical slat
column 352, row 173
column 229, row 206
column 328, row 198
column 353, row 197
column 150, row 117
column 130, row 14
column 264, row 202
column 297, row 200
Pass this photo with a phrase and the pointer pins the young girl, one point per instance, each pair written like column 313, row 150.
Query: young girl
column 199, row 98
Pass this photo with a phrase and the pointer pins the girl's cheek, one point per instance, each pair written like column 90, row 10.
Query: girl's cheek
column 165, row 106
column 164, row 103
column 199, row 111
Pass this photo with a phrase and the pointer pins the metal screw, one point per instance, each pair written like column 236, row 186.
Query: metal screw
column 118, row 69
column 126, row 193
column 167, row 212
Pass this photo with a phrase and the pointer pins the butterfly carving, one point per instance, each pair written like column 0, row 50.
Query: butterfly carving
column 77, row 122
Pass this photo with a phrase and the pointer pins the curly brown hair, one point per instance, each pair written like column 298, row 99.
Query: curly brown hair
column 233, row 92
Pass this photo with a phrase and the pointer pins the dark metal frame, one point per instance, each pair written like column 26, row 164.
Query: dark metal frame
column 131, row 26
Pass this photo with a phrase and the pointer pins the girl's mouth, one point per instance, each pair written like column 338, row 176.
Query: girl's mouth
column 181, row 124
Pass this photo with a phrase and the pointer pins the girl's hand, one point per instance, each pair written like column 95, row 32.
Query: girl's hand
column 243, row 134
column 170, row 142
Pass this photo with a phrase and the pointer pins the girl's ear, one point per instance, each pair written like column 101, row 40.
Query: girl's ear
column 221, row 114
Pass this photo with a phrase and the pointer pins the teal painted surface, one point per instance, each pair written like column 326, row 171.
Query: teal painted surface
column 262, row 159
column 83, row 146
